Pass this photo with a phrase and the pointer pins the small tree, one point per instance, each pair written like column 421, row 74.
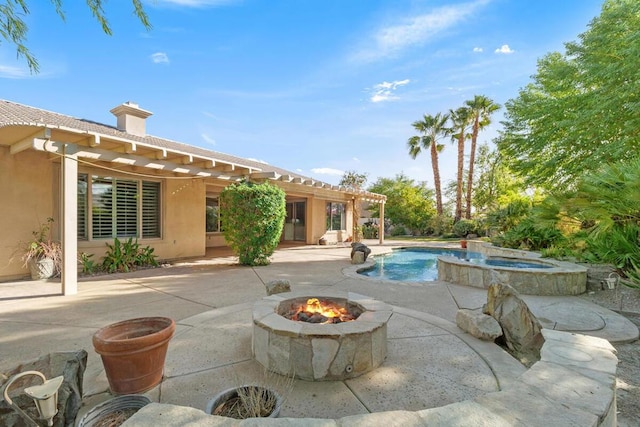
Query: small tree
column 253, row 217
column 355, row 181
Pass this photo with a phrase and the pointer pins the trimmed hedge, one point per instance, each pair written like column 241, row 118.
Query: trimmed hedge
column 253, row 217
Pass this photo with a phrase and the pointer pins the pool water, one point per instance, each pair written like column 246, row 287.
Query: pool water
column 421, row 264
column 413, row 265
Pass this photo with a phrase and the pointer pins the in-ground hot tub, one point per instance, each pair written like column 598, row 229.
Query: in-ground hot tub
column 320, row 351
column 523, row 270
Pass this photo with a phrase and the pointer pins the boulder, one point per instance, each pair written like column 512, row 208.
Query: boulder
column 71, row 365
column 358, row 258
column 360, row 247
column 521, row 329
column 478, row 324
column 278, row 286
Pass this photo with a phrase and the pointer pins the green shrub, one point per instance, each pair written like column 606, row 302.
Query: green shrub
column 125, row 256
column 370, row 231
column 526, row 235
column 398, row 230
column 89, row 266
column 464, row 227
column 253, row 217
column 440, row 225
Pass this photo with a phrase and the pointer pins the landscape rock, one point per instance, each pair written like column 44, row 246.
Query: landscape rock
column 478, row 324
column 521, row 329
column 70, row 364
column 358, row 258
column 360, row 247
column 278, row 286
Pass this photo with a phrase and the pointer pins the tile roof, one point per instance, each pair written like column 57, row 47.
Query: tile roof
column 12, row 113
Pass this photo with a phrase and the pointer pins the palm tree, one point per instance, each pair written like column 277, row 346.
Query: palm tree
column 481, row 109
column 431, row 128
column 460, row 119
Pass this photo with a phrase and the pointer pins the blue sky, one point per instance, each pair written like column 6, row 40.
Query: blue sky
column 313, row 86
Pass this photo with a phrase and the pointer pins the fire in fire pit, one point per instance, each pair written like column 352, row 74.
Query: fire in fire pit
column 320, row 311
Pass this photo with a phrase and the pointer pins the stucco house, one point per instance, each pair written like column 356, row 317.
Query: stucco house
column 101, row 181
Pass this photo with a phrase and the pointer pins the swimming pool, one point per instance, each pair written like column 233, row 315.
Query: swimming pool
column 413, row 264
column 421, row 264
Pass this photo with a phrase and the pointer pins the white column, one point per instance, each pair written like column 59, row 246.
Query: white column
column 69, row 181
column 381, row 225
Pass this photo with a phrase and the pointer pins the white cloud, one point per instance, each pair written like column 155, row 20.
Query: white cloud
column 211, row 115
column 416, row 30
column 299, row 170
column 477, row 49
column 208, row 139
column 385, row 91
column 159, row 58
column 196, row 3
column 357, row 160
column 327, row 171
column 8, row 72
column 504, row 49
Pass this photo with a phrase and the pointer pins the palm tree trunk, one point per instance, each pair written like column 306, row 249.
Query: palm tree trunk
column 472, row 160
column 436, row 177
column 460, row 177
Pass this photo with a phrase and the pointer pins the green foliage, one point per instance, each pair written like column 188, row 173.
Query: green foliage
column 440, row 225
column 370, row 231
column 398, row 231
column 465, row 227
column 13, row 27
column 481, row 108
column 125, row 256
column 253, row 216
column 353, row 180
column 432, row 128
column 510, row 215
column 408, row 203
column 608, row 203
column 89, row 266
column 495, row 184
column 528, row 235
column 582, row 109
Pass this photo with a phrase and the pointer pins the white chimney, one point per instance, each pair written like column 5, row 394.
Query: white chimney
column 131, row 118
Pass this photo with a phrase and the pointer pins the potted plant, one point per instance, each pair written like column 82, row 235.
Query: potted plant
column 42, row 255
column 247, row 401
column 114, row 412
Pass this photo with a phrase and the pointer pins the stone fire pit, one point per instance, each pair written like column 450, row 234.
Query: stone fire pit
column 320, row 352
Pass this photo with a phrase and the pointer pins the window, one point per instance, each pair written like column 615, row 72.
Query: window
column 335, row 216
column 118, row 207
column 213, row 215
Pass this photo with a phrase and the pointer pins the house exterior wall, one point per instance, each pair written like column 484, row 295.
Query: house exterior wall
column 27, row 200
column 30, row 193
column 182, row 221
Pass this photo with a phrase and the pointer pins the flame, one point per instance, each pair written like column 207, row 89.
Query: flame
column 332, row 312
column 315, row 306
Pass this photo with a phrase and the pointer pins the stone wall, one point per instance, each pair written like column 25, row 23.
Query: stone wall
column 573, row 384
column 562, row 278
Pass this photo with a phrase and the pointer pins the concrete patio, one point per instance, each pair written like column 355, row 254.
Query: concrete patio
column 430, row 362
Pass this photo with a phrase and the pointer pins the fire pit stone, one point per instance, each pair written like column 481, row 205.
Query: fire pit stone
column 318, row 352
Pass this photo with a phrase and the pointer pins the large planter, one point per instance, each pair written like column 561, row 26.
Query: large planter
column 114, row 412
column 263, row 402
column 43, row 268
column 133, row 352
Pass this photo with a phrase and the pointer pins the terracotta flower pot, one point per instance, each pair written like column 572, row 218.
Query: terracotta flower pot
column 133, row 352
column 463, row 244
